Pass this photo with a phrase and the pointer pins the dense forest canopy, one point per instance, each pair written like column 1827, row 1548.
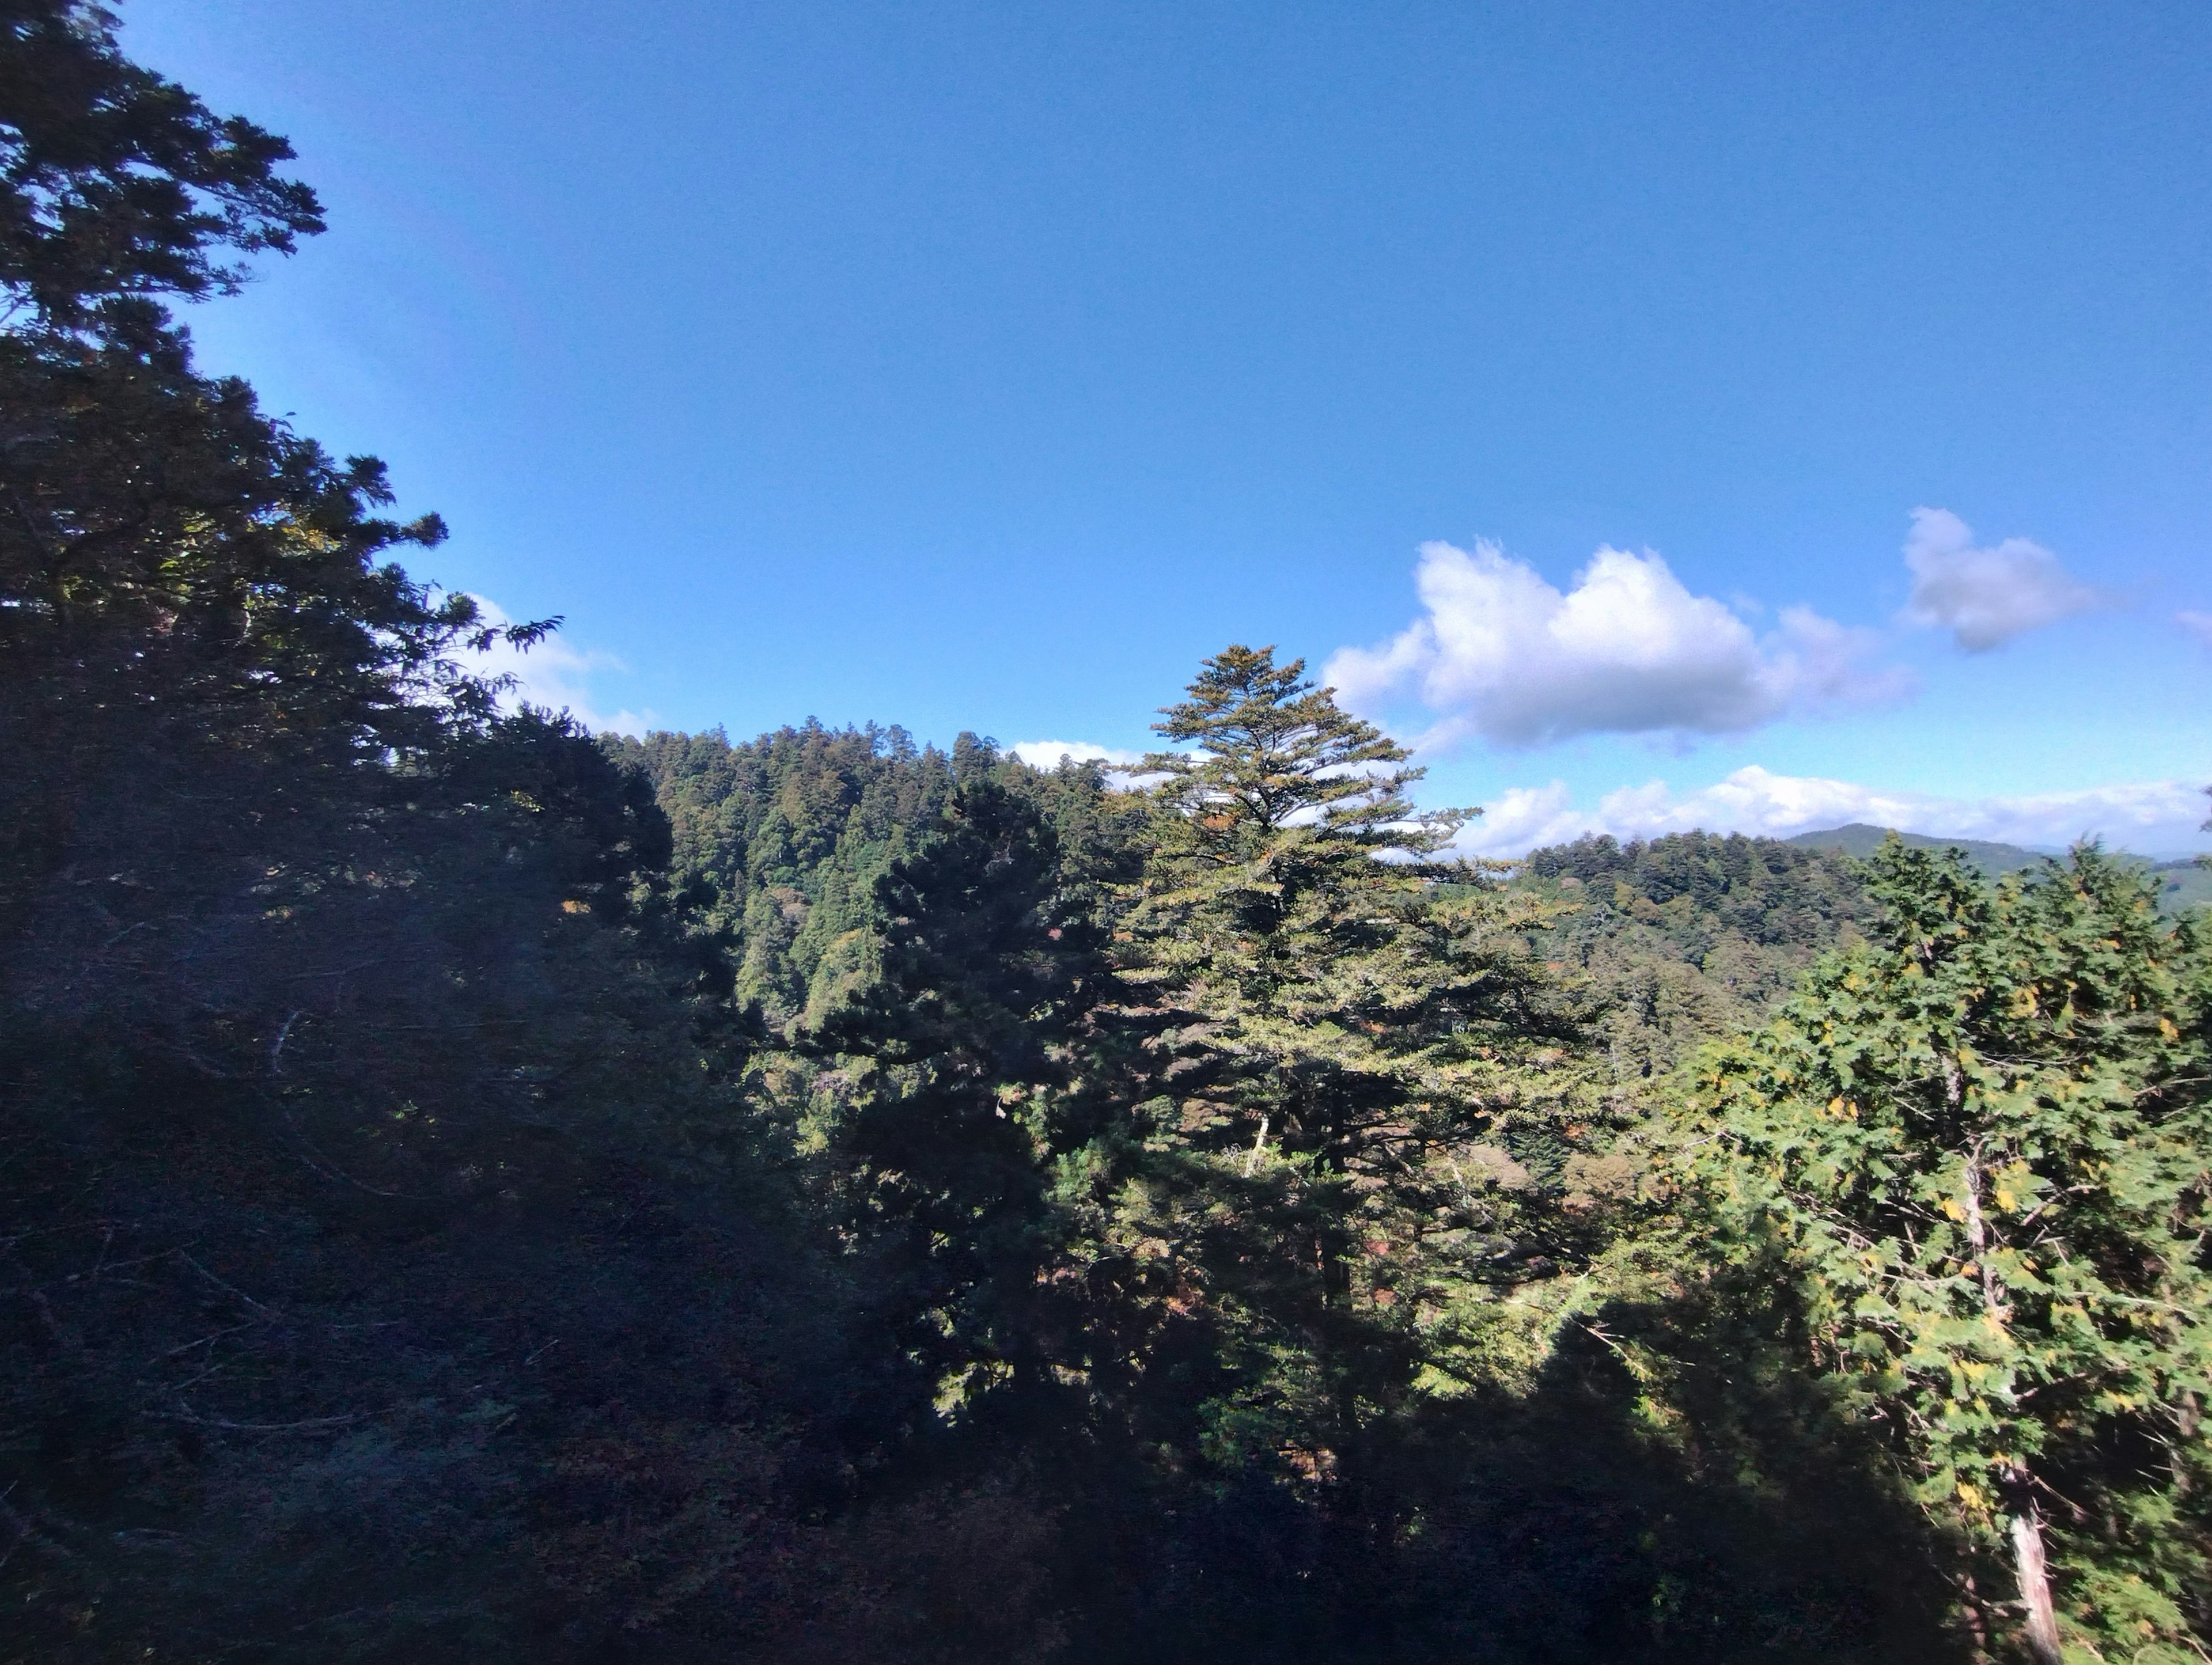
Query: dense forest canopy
column 469, row 1188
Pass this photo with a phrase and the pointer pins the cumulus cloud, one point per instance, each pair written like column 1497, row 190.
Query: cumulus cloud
column 1504, row 656
column 1047, row 754
column 555, row 675
column 2197, row 624
column 1985, row 595
column 1524, row 818
column 2153, row 816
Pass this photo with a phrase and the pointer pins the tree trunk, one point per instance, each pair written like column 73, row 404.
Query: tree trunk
column 2035, row 1586
column 1259, row 1144
column 1978, row 1619
column 2027, row 1522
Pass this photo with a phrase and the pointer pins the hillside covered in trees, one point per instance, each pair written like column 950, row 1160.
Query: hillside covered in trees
column 469, row 1189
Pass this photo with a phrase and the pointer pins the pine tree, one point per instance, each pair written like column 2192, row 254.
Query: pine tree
column 959, row 1073
column 1347, row 1049
column 1986, row 1140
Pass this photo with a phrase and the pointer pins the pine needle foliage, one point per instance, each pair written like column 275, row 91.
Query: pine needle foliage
column 1353, row 1061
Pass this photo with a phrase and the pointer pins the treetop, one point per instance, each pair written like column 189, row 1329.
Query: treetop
column 1276, row 750
column 117, row 184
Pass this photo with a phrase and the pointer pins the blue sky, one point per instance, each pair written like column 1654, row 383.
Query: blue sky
column 984, row 366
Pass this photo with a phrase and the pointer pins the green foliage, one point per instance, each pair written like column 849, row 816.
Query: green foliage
column 1983, row 1139
column 1352, row 1063
column 116, row 185
column 1688, row 937
column 960, row 1075
column 786, row 837
column 469, row 1189
column 1992, row 860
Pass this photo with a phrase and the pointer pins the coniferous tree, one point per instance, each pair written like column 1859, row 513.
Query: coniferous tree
column 349, row 1013
column 1354, row 1063
column 474, row 1188
column 962, row 1071
column 198, row 607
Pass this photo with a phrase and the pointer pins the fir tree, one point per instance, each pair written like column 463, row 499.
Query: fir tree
column 1348, row 1048
column 959, row 1073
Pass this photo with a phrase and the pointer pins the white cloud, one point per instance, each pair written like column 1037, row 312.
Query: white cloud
column 1524, row 818
column 1984, row 595
column 554, row 675
column 1046, row 754
column 2197, row 624
column 1504, row 656
column 2154, row 816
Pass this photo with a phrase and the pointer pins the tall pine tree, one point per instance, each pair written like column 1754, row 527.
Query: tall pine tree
column 1353, row 1062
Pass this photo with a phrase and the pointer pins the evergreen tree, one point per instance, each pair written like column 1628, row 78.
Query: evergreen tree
column 961, row 1070
column 1353, row 1062
column 783, row 839
column 117, row 185
column 197, row 606
column 1984, row 1138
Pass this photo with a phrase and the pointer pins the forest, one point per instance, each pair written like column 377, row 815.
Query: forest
column 470, row 1189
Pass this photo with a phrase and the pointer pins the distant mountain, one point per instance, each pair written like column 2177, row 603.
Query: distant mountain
column 2182, row 884
column 1859, row 839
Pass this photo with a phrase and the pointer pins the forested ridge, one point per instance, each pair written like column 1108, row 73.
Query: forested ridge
column 470, row 1189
